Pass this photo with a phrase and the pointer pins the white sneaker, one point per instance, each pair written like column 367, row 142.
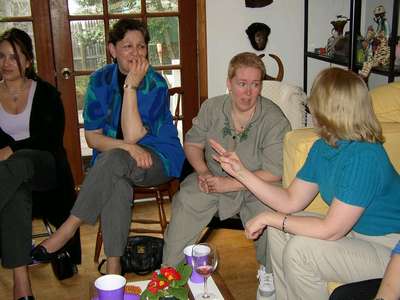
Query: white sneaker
column 266, row 287
column 259, row 297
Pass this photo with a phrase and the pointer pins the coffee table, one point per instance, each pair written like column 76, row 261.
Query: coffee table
column 221, row 286
column 219, row 282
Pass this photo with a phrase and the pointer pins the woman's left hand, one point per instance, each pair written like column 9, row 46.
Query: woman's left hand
column 5, row 153
column 218, row 184
column 255, row 226
column 138, row 69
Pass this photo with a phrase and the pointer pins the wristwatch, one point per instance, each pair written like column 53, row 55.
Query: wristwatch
column 130, row 86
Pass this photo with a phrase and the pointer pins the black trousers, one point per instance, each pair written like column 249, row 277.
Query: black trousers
column 363, row 290
column 25, row 171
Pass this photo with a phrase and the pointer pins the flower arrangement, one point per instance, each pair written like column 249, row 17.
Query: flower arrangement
column 168, row 283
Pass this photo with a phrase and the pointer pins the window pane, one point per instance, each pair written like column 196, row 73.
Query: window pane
column 124, row 6
column 164, row 44
column 81, row 83
column 15, row 8
column 173, row 78
column 79, row 7
column 161, row 5
column 85, row 150
column 88, row 44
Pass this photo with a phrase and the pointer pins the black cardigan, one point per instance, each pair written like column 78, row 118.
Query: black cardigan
column 46, row 128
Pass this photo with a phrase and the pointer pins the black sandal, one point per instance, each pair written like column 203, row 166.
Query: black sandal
column 27, row 298
column 40, row 254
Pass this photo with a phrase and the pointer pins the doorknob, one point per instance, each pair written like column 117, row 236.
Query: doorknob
column 66, row 73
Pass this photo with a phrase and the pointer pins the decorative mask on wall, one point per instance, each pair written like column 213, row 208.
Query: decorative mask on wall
column 258, row 35
column 258, row 3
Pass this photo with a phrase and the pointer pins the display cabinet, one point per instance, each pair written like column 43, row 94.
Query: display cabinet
column 359, row 15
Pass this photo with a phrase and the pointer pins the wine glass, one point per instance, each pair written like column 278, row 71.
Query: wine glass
column 205, row 261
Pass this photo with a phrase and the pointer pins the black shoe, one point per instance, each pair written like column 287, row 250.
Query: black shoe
column 40, row 254
column 27, row 298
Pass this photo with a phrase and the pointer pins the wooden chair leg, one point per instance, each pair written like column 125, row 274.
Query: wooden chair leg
column 99, row 243
column 161, row 211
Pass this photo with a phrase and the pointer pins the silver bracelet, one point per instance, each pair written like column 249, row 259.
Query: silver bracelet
column 284, row 223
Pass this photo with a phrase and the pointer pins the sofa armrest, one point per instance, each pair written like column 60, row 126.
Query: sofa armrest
column 297, row 144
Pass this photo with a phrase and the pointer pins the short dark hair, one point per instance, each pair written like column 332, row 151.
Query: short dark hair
column 19, row 37
column 120, row 28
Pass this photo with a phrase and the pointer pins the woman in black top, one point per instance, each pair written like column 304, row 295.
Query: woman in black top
column 34, row 171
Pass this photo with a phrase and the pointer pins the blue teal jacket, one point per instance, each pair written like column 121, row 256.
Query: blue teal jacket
column 102, row 110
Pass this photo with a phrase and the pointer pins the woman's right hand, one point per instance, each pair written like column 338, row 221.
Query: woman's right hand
column 141, row 156
column 202, row 181
column 138, row 69
column 229, row 161
column 255, row 226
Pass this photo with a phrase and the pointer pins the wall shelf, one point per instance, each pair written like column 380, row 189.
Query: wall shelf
column 354, row 27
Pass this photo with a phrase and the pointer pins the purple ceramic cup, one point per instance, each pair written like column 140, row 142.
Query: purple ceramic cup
column 195, row 277
column 110, row 287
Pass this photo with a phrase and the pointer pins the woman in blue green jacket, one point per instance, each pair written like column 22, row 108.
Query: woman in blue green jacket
column 128, row 124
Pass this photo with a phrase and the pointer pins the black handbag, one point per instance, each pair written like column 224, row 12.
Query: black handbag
column 143, row 255
column 62, row 265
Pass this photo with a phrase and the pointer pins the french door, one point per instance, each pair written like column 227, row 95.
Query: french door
column 70, row 43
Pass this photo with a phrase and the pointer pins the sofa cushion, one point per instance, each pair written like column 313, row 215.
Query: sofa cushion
column 386, row 102
column 291, row 100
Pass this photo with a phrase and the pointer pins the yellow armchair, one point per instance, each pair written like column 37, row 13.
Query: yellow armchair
column 297, row 143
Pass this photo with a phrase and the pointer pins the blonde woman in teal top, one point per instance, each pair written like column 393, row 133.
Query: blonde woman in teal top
column 355, row 177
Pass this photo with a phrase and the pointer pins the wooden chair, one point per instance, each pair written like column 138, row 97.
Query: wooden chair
column 159, row 192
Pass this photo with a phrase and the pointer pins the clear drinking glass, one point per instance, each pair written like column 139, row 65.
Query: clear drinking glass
column 205, row 261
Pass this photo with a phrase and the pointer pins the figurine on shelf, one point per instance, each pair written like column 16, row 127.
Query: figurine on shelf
column 380, row 56
column 380, row 20
column 378, row 50
column 337, row 34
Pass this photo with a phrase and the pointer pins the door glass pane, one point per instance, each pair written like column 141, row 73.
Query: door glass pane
column 173, row 77
column 81, row 83
column 161, row 5
column 124, row 6
column 85, row 7
column 164, row 44
column 15, row 8
column 88, row 44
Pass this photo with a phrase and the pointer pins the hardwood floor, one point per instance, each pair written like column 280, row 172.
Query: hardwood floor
column 238, row 266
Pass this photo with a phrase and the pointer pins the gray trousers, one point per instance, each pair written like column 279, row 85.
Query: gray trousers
column 107, row 192
column 192, row 210
column 25, row 171
column 302, row 266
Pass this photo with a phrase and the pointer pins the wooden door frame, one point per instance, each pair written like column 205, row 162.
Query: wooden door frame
column 202, row 49
column 64, row 59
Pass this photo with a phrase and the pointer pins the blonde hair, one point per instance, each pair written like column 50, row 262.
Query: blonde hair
column 342, row 108
column 245, row 59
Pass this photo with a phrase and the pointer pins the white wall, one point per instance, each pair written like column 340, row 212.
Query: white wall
column 227, row 21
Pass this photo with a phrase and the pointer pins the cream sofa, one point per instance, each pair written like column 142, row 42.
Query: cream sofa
column 386, row 102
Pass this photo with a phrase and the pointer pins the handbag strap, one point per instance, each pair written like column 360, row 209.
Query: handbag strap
column 100, row 265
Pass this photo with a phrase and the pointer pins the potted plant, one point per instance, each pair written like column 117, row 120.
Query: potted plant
column 168, row 283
